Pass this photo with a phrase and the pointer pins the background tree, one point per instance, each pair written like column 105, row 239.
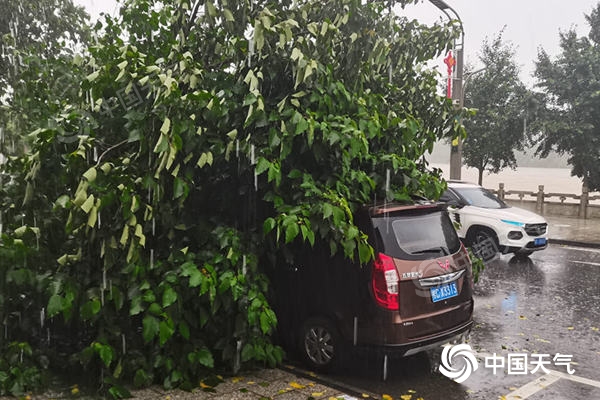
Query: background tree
column 38, row 67
column 496, row 130
column 569, row 118
column 210, row 136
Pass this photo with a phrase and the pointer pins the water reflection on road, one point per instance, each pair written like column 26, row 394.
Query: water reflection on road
column 546, row 304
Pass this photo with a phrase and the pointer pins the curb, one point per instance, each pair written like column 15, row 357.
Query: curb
column 347, row 389
column 574, row 243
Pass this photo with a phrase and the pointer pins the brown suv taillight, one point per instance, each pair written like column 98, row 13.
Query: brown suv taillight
column 385, row 282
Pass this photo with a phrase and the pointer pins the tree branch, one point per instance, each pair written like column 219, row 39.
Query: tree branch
column 109, row 149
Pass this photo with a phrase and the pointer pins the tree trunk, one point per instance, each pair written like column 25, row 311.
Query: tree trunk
column 480, row 180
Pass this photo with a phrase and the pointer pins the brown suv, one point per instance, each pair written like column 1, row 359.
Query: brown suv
column 417, row 293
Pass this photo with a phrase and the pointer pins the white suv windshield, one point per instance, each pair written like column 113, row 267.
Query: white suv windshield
column 480, row 197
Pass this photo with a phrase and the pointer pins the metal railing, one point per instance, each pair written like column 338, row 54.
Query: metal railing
column 542, row 199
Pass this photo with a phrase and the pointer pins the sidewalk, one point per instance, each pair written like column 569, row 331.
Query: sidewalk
column 285, row 383
column 573, row 231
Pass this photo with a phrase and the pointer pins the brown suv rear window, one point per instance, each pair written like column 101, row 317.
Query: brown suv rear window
column 416, row 235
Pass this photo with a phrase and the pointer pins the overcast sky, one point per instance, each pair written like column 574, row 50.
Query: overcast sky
column 530, row 24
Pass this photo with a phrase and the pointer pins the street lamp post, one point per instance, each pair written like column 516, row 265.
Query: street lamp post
column 457, row 87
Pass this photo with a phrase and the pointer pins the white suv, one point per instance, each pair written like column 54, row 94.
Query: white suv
column 483, row 221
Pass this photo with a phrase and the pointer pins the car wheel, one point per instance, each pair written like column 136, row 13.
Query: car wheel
column 484, row 243
column 320, row 344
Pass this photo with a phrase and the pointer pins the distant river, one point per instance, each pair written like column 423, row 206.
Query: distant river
column 555, row 180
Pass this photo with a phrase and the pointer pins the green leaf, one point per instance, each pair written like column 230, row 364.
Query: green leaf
column 268, row 225
column 291, row 231
column 205, row 357
column 228, row 15
column 88, row 204
column 166, row 125
column 124, row 235
column 247, row 352
column 166, row 330
column 169, row 296
column 136, row 306
column 184, row 330
column 91, row 308
column 150, row 328
column 62, row 201
column 93, row 76
column 267, row 321
column 106, row 354
column 20, row 231
column 119, row 392
column 62, row 260
column 262, row 165
column 205, row 158
column 55, row 305
column 365, row 252
column 180, row 188
column 210, row 9
column 162, row 144
column 90, row 174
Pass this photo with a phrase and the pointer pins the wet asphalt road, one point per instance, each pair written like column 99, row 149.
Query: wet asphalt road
column 546, row 304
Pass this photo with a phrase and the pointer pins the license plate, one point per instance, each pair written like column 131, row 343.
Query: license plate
column 539, row 241
column 444, row 292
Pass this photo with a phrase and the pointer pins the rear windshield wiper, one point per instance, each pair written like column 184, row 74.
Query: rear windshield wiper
column 442, row 250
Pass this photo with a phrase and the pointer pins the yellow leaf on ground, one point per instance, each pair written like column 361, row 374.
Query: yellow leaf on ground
column 312, row 374
column 250, row 382
column 570, row 328
column 386, row 397
column 316, row 395
column 512, row 389
column 412, row 391
column 237, row 379
column 595, row 329
column 296, row 385
column 204, row 385
column 522, row 317
column 406, row 397
column 365, row 396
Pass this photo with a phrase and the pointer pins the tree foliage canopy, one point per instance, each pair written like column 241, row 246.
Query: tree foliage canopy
column 206, row 137
column 569, row 101
column 38, row 67
column 499, row 97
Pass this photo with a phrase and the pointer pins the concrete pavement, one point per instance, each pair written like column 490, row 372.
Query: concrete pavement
column 285, row 383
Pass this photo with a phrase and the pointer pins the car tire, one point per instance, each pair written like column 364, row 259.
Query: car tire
column 320, row 344
column 478, row 238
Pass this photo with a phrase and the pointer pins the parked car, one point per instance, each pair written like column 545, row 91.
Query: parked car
column 416, row 294
column 485, row 221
